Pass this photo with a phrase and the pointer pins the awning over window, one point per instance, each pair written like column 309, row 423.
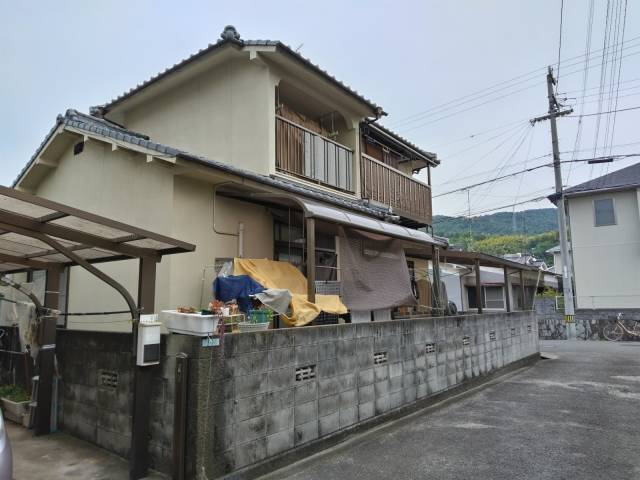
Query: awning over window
column 340, row 216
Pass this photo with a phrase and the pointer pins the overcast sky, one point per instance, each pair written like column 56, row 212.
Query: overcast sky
column 408, row 57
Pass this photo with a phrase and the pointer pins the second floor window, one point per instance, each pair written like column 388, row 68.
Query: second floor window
column 604, row 212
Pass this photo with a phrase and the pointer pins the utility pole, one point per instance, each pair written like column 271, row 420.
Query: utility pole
column 567, row 281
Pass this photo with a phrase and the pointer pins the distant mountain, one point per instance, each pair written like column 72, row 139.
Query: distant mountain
column 527, row 222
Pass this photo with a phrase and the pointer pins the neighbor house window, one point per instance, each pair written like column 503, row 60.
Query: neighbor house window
column 604, row 211
column 494, row 297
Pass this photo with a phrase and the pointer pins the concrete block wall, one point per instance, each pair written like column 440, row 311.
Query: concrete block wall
column 265, row 393
column 98, row 409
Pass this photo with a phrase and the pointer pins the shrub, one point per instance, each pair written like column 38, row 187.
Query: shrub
column 15, row 393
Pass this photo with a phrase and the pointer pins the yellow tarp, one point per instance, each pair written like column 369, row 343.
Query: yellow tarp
column 283, row 275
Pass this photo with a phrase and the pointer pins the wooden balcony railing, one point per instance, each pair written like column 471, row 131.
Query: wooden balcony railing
column 407, row 196
column 304, row 153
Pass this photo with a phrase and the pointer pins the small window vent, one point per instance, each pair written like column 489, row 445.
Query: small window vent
column 528, row 328
column 108, row 378
column 492, row 335
column 466, row 340
column 430, row 348
column 78, row 148
column 305, row 373
column 513, row 332
column 379, row 358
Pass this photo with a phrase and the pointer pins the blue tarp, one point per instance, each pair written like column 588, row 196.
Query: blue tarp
column 236, row 287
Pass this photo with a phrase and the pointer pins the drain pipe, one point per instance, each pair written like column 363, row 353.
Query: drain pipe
column 239, row 234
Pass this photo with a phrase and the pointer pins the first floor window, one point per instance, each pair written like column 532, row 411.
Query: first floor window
column 494, row 297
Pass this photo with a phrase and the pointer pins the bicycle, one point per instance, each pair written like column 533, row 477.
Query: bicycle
column 615, row 330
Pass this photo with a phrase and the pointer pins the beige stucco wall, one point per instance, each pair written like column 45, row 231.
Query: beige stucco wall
column 193, row 222
column 606, row 260
column 123, row 186
column 225, row 114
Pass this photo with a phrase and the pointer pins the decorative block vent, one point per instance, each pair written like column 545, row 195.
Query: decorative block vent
column 528, row 328
column 305, row 373
column 108, row 379
column 379, row 358
column 492, row 336
column 430, row 348
column 513, row 332
column 466, row 340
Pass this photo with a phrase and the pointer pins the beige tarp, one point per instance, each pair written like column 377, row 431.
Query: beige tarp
column 283, row 275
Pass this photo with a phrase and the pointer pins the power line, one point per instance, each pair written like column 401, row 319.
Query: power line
column 502, row 207
column 497, row 147
column 458, row 179
column 604, row 113
column 559, row 44
column 488, row 91
column 505, row 163
column 519, row 126
column 494, row 99
column 478, row 134
column 484, row 132
column 530, row 169
column 624, row 27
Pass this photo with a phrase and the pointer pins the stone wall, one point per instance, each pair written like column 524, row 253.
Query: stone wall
column 550, row 320
column 595, row 319
column 95, row 393
column 262, row 394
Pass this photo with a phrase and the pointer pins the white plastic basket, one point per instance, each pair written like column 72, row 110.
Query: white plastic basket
column 189, row 323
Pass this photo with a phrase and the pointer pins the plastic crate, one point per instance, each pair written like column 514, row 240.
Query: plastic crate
column 260, row 316
column 326, row 319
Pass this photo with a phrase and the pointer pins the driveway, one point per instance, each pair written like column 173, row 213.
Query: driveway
column 60, row 456
column 573, row 417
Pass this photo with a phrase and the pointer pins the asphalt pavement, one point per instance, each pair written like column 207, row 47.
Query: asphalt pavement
column 575, row 416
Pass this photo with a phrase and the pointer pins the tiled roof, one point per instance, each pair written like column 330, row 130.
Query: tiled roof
column 628, row 177
column 231, row 37
column 99, row 126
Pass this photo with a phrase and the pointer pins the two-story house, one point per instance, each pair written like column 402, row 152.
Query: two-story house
column 232, row 149
column 604, row 228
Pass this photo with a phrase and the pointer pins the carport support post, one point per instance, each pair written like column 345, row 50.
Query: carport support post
column 47, row 353
column 522, row 288
column 435, row 262
column 478, row 286
column 143, row 377
column 311, row 259
column 507, row 293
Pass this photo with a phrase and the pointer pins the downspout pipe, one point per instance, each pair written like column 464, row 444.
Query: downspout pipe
column 240, row 233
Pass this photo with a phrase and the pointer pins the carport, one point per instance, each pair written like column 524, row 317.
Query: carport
column 477, row 260
column 40, row 234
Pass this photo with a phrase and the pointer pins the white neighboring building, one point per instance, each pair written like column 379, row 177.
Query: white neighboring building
column 460, row 284
column 604, row 227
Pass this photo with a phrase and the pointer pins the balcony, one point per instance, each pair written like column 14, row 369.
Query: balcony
column 407, row 196
column 306, row 154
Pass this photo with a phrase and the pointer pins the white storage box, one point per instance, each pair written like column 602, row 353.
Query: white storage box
column 190, row 323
